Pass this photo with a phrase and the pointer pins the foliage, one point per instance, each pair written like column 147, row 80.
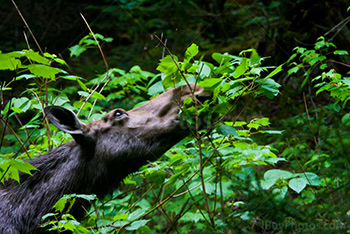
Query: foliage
column 222, row 178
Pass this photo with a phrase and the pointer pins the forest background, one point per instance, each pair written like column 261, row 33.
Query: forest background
column 279, row 164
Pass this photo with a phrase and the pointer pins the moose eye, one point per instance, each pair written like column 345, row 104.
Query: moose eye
column 119, row 113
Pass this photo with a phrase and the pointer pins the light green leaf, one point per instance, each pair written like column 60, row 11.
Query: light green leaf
column 254, row 58
column 267, row 184
column 210, row 83
column 36, row 57
column 203, row 70
column 9, row 63
column 136, row 225
column 21, row 104
column 241, row 69
column 191, row 52
column 297, row 184
column 312, row 178
column 82, row 85
column 274, row 72
column 98, row 96
column 277, row 174
column 156, row 88
column 341, row 52
column 44, row 71
column 121, row 217
column 167, row 65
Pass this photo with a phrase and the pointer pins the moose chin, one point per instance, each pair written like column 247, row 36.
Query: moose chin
column 100, row 155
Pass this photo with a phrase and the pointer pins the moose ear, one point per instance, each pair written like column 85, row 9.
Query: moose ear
column 64, row 119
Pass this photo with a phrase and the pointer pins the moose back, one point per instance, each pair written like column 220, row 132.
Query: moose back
column 102, row 153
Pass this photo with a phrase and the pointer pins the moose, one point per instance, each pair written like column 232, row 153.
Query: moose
column 100, row 155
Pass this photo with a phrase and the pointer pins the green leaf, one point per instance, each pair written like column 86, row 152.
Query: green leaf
column 257, row 123
column 242, row 68
column 345, row 119
column 156, row 88
column 76, row 50
column 120, row 217
column 98, row 96
column 136, row 214
column 22, row 104
column 269, row 87
column 254, row 58
column 203, row 70
column 277, row 174
column 297, row 184
column 274, row 72
column 136, row 225
column 312, row 178
column 221, row 58
column 187, row 101
column 22, row 166
column 36, row 57
column 171, row 80
column 26, row 76
column 341, row 52
column 191, row 52
column 226, row 130
column 167, row 65
column 9, row 63
column 210, row 83
column 54, row 57
column 273, row 132
column 293, row 70
column 44, row 71
column 82, row 85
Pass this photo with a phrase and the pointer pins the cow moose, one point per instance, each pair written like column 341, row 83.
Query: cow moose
column 102, row 153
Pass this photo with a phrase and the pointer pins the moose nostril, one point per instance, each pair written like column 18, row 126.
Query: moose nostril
column 165, row 109
column 203, row 97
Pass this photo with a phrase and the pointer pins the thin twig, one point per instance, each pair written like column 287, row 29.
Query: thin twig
column 107, row 68
column 30, row 31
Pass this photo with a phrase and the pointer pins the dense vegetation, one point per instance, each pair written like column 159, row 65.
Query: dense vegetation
column 275, row 152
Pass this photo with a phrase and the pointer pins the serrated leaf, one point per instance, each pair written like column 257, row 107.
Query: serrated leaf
column 44, row 71
column 167, row 65
column 171, row 80
column 36, row 57
column 9, row 63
